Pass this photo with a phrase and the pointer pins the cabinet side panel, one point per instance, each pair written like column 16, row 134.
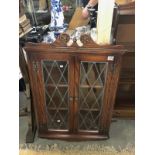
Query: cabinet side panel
column 110, row 94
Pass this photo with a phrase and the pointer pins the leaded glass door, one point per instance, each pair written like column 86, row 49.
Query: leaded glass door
column 57, row 90
column 92, row 80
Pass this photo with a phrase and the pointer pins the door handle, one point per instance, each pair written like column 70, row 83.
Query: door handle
column 76, row 98
column 70, row 98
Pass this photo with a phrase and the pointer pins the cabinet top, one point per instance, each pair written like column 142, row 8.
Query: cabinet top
column 60, row 46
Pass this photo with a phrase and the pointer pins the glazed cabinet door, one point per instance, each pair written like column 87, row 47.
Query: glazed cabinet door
column 92, row 84
column 53, row 92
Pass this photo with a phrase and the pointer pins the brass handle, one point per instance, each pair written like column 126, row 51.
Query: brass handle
column 70, row 98
column 76, row 98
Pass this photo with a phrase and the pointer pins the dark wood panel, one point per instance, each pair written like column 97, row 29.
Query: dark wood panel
column 124, row 112
column 125, row 35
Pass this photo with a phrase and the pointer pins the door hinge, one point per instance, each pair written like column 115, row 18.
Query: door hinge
column 35, row 65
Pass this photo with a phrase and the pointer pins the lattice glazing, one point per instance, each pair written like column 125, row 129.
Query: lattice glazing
column 91, row 90
column 55, row 75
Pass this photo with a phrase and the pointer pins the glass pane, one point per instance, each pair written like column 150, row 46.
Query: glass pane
column 55, row 75
column 91, row 90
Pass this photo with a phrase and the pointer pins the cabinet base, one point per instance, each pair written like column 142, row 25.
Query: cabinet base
column 73, row 137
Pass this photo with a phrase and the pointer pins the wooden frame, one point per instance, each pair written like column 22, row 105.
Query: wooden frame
column 90, row 52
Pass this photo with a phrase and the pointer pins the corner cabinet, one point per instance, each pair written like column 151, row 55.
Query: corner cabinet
column 73, row 88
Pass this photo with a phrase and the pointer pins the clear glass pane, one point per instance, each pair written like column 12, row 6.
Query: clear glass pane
column 91, row 91
column 55, row 75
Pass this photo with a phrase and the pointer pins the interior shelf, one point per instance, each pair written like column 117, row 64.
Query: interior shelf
column 88, row 86
column 84, row 109
column 57, row 85
column 57, row 109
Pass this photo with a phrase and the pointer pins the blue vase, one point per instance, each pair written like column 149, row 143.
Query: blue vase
column 57, row 17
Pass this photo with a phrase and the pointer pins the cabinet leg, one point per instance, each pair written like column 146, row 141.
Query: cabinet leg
column 30, row 135
column 31, row 128
column 31, row 124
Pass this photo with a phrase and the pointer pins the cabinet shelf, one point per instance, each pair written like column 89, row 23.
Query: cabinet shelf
column 59, row 85
column 88, row 86
column 54, row 108
column 84, row 109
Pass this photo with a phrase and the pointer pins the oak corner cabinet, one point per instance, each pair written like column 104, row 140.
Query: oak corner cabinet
column 73, row 88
